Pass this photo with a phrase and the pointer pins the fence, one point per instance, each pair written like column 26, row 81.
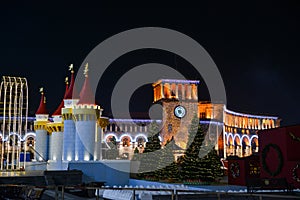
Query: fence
column 35, row 192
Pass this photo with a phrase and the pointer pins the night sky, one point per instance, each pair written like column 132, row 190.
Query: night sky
column 254, row 45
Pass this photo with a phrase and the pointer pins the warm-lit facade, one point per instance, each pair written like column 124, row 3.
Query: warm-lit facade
column 240, row 131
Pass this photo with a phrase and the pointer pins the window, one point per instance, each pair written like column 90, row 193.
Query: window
column 169, row 128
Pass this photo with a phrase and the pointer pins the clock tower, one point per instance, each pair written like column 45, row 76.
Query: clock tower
column 179, row 100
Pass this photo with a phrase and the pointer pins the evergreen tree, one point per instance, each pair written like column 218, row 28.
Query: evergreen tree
column 190, row 164
column 136, row 154
column 173, row 172
column 136, row 150
column 193, row 130
column 195, row 167
column 149, row 157
column 215, row 165
column 165, row 161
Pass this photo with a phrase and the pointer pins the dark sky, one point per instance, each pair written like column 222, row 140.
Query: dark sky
column 254, row 45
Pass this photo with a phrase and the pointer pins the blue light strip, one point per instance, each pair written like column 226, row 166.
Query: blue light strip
column 248, row 115
column 158, row 121
column 134, row 120
column 211, row 122
column 29, row 118
column 179, row 81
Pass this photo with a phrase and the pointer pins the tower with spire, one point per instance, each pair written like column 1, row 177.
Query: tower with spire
column 70, row 99
column 86, row 114
column 56, row 130
column 42, row 116
column 75, row 132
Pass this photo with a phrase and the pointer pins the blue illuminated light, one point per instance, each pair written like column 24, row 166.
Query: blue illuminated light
column 248, row 115
column 177, row 81
column 134, row 120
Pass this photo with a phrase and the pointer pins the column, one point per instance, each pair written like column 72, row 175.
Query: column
column 176, row 91
column 183, row 93
column 196, row 92
column 162, row 91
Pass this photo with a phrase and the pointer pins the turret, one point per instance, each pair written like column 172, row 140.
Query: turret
column 56, row 129
column 70, row 99
column 41, row 146
column 86, row 114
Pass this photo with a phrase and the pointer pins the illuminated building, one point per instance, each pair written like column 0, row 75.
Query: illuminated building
column 234, row 133
column 77, row 131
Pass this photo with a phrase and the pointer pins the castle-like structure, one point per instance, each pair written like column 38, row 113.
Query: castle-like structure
column 77, row 131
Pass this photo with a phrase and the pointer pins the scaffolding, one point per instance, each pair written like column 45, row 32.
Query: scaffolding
column 13, row 113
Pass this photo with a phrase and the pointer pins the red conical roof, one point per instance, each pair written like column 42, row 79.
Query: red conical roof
column 86, row 95
column 72, row 93
column 42, row 110
column 61, row 105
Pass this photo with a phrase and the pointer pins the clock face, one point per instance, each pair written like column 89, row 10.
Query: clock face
column 179, row 111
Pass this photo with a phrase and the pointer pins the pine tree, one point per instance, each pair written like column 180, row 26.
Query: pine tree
column 149, row 157
column 190, row 164
column 136, row 150
column 200, row 162
column 136, row 154
column 193, row 130
column 166, row 161
column 215, row 165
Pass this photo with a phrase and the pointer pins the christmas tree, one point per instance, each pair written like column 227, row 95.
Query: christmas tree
column 215, row 165
column 200, row 162
column 136, row 154
column 151, row 153
column 190, row 162
column 166, row 162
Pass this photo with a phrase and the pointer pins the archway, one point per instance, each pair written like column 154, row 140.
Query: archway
column 125, row 141
column 237, row 145
column 230, row 144
column 254, row 143
column 30, row 144
column 140, row 140
column 246, row 145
